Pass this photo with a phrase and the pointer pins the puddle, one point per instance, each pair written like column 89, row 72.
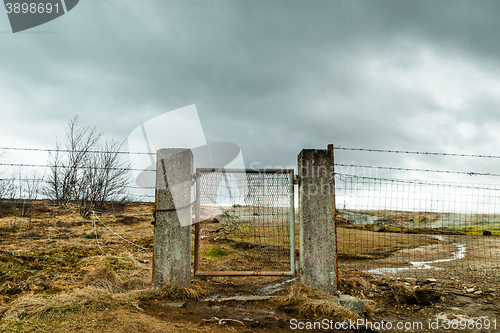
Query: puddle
column 268, row 312
column 459, row 254
column 360, row 219
column 276, row 287
column 457, row 316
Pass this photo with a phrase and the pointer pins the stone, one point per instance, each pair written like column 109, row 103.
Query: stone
column 175, row 304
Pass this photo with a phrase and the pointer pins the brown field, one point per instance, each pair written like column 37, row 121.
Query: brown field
column 62, row 272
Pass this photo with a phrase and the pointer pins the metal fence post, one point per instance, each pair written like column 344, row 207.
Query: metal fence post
column 317, row 227
column 173, row 218
column 331, row 148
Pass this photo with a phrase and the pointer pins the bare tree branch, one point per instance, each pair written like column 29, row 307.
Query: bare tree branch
column 90, row 173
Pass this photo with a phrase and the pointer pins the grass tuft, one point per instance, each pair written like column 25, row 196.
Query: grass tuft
column 216, row 252
column 103, row 277
column 177, row 293
column 309, row 302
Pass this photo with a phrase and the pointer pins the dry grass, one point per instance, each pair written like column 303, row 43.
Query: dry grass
column 177, row 293
column 105, row 278
column 309, row 302
column 404, row 295
column 34, row 306
column 356, row 286
column 102, row 288
column 92, row 234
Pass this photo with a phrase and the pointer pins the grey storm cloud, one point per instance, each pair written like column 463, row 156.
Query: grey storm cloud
column 271, row 76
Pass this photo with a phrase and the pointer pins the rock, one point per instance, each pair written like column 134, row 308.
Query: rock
column 411, row 280
column 430, row 281
column 486, row 233
column 175, row 304
column 378, row 227
column 479, row 292
column 470, row 290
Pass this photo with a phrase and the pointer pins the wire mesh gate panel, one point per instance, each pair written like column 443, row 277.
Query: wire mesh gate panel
column 245, row 222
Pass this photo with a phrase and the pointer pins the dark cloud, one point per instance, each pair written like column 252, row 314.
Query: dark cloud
column 271, row 76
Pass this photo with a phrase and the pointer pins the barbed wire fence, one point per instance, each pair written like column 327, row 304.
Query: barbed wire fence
column 39, row 235
column 418, row 227
column 386, row 225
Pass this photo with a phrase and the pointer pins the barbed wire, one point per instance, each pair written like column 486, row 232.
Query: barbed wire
column 47, row 181
column 470, row 173
column 79, row 245
column 112, row 231
column 73, row 167
column 335, row 147
column 13, row 255
column 416, row 152
column 76, row 151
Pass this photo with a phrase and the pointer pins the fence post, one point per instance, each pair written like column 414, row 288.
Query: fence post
column 317, row 227
column 173, row 217
column 331, row 148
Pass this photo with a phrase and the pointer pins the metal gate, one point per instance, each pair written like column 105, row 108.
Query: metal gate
column 245, row 222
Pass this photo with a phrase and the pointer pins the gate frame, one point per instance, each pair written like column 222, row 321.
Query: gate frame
column 292, row 179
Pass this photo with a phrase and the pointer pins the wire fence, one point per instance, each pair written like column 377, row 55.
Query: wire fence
column 32, row 181
column 418, row 228
column 60, row 219
column 41, row 237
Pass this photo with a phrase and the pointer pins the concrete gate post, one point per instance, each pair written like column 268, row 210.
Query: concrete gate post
column 317, row 227
column 173, row 218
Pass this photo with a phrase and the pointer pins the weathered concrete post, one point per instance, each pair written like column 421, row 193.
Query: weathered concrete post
column 317, row 228
column 172, row 237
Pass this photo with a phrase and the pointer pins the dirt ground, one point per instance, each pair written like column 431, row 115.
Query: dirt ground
column 49, row 257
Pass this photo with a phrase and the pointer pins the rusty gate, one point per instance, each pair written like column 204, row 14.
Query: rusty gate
column 245, row 222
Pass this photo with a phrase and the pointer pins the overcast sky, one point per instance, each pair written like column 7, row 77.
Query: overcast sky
column 273, row 77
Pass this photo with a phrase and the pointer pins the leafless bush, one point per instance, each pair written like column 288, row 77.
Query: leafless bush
column 7, row 188
column 87, row 172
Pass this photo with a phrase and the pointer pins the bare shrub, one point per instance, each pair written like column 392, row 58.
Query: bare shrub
column 88, row 172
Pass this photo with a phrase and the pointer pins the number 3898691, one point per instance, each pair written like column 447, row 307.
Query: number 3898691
column 31, row 8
